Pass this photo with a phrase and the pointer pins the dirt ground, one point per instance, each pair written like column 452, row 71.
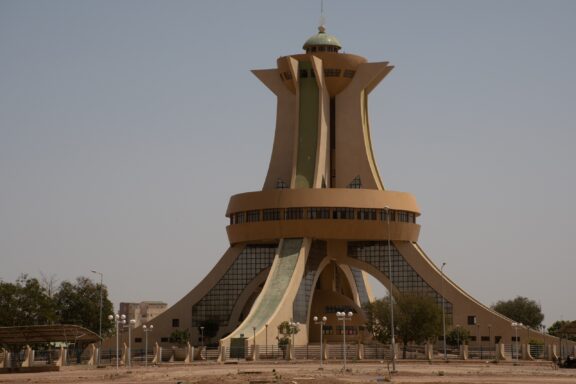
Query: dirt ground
column 308, row 372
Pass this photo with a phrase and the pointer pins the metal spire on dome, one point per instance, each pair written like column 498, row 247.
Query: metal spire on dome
column 321, row 26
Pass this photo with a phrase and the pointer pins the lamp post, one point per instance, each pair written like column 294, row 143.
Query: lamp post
column 130, row 324
column 100, row 315
column 254, row 342
column 443, row 312
column 490, row 345
column 458, row 336
column 117, row 320
column 516, row 325
column 343, row 316
column 266, row 326
column 146, row 330
column 390, row 277
column 321, row 323
column 201, row 341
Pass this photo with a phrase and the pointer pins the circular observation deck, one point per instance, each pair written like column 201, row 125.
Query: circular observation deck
column 343, row 214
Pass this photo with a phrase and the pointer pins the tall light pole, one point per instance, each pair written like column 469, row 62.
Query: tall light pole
column 343, row 316
column 117, row 320
column 516, row 325
column 130, row 324
column 266, row 325
column 254, row 342
column 390, row 277
column 201, row 341
column 146, row 330
column 443, row 312
column 321, row 323
column 100, row 316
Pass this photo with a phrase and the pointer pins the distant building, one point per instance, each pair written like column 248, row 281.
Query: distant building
column 142, row 312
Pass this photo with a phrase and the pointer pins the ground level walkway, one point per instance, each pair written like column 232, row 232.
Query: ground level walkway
column 408, row 371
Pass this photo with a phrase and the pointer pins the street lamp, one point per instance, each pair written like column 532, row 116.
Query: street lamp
column 266, row 325
column 201, row 341
column 254, row 342
column 294, row 327
column 130, row 324
column 321, row 323
column 117, row 320
column 516, row 325
column 146, row 330
column 443, row 311
column 393, row 342
column 100, row 315
column 458, row 337
column 343, row 316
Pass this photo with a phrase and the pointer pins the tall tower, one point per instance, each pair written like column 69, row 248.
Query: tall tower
column 304, row 244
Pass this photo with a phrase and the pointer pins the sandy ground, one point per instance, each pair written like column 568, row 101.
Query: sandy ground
column 308, row 372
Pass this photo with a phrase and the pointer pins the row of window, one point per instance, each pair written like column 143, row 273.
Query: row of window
column 328, row 72
column 273, row 214
column 322, row 48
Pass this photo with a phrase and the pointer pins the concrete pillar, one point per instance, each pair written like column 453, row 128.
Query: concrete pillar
column 464, row 352
column 157, row 354
column 28, row 357
column 189, row 351
column 428, row 351
column 552, row 354
column 92, row 351
column 289, row 351
column 124, row 355
column 500, row 352
column 526, row 355
column 5, row 362
column 360, row 351
column 221, row 353
column 325, row 351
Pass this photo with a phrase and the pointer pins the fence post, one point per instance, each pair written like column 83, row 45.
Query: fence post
column 500, row 353
column 526, row 355
column 92, row 352
column 360, row 351
column 464, row 351
column 221, row 353
column 28, row 357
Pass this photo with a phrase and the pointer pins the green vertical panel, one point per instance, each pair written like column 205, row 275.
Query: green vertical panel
column 307, row 127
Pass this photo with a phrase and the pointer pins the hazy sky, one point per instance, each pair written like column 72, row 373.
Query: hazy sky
column 125, row 126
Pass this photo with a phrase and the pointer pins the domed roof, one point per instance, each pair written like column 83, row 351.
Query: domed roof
column 322, row 38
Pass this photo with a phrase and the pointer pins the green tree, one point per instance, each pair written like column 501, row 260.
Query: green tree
column 458, row 336
column 556, row 330
column 180, row 337
column 25, row 302
column 378, row 319
column 522, row 310
column 419, row 319
column 416, row 319
column 79, row 303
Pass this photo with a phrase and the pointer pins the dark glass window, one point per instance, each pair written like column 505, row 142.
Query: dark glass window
column 402, row 216
column 303, row 73
column 405, row 278
column 294, row 213
column 332, row 72
column 472, row 320
column 252, row 216
column 163, row 339
column 384, row 212
column 239, row 218
column 349, row 73
column 318, row 213
column 175, row 322
column 137, row 339
column 366, row 214
column 271, row 214
column 343, row 213
column 219, row 302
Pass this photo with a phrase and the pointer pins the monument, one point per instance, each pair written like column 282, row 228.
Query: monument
column 304, row 244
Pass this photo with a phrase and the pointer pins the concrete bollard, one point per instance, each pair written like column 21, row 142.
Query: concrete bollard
column 464, row 352
column 92, row 350
column 157, row 354
column 428, row 351
column 526, row 355
column 500, row 352
column 28, row 357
